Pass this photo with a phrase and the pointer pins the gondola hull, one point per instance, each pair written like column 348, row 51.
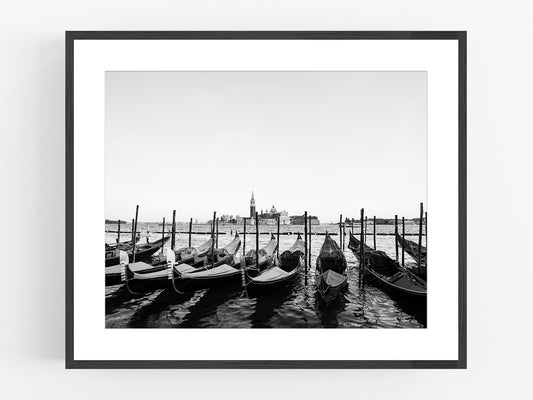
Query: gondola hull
column 387, row 274
column 159, row 275
column 218, row 276
column 287, row 268
column 159, row 278
column 331, row 268
column 330, row 285
column 261, row 286
column 396, row 289
column 144, row 252
column 224, row 274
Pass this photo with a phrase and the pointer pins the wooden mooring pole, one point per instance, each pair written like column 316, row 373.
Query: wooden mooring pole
column 132, row 238
column 213, row 239
column 190, row 232
column 343, row 236
column 135, row 231
column 362, row 250
column 426, row 227
column 217, row 232
column 396, row 235
column 118, row 239
column 366, row 227
column 173, row 238
column 163, row 235
column 257, row 240
column 374, row 232
column 403, row 242
column 309, row 241
column 420, row 238
column 340, row 231
column 244, row 237
column 277, row 250
column 305, row 239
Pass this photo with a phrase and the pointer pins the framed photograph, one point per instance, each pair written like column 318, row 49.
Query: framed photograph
column 264, row 198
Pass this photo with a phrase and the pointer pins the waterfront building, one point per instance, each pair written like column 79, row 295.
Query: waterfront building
column 300, row 219
column 268, row 217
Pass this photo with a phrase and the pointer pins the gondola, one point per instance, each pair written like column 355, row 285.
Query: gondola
column 123, row 245
column 208, row 260
column 228, row 272
column 142, row 253
column 353, row 244
column 388, row 273
column 142, row 279
column 186, row 254
column 288, row 265
column 331, row 268
column 158, row 263
column 412, row 249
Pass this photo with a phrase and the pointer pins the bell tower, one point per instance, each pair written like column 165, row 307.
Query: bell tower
column 252, row 206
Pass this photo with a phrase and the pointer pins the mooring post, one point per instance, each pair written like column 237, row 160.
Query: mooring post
column 426, row 232
column 217, row 233
column 362, row 249
column 403, row 242
column 118, row 239
column 366, row 227
column 132, row 238
column 305, row 237
column 244, row 237
column 173, row 238
column 420, row 238
column 190, row 232
column 278, row 239
column 374, row 232
column 340, row 231
column 309, row 241
column 213, row 239
column 135, row 231
column 344, row 235
column 426, row 227
column 396, row 235
column 163, row 233
column 257, row 240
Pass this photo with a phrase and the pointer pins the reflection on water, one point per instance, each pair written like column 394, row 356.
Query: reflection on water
column 295, row 305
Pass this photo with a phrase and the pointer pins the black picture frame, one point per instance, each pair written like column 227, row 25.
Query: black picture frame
column 72, row 36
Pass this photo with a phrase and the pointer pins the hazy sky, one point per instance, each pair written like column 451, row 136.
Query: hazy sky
column 323, row 142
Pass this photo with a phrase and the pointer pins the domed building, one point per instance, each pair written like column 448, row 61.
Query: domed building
column 269, row 217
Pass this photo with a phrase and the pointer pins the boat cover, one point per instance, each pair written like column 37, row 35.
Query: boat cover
column 271, row 274
column 333, row 279
column 220, row 271
column 184, row 268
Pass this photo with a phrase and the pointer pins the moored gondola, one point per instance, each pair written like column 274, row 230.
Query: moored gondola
column 126, row 245
column 331, row 268
column 288, row 265
column 387, row 273
column 142, row 279
column 413, row 249
column 186, row 254
column 143, row 252
column 229, row 271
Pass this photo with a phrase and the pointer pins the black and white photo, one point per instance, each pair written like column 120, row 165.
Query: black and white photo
column 294, row 155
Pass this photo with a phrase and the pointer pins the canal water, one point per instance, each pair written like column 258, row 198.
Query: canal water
column 294, row 306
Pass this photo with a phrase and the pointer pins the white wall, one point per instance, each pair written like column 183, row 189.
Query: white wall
column 500, row 197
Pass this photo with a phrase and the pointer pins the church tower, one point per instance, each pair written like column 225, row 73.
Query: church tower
column 252, row 206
